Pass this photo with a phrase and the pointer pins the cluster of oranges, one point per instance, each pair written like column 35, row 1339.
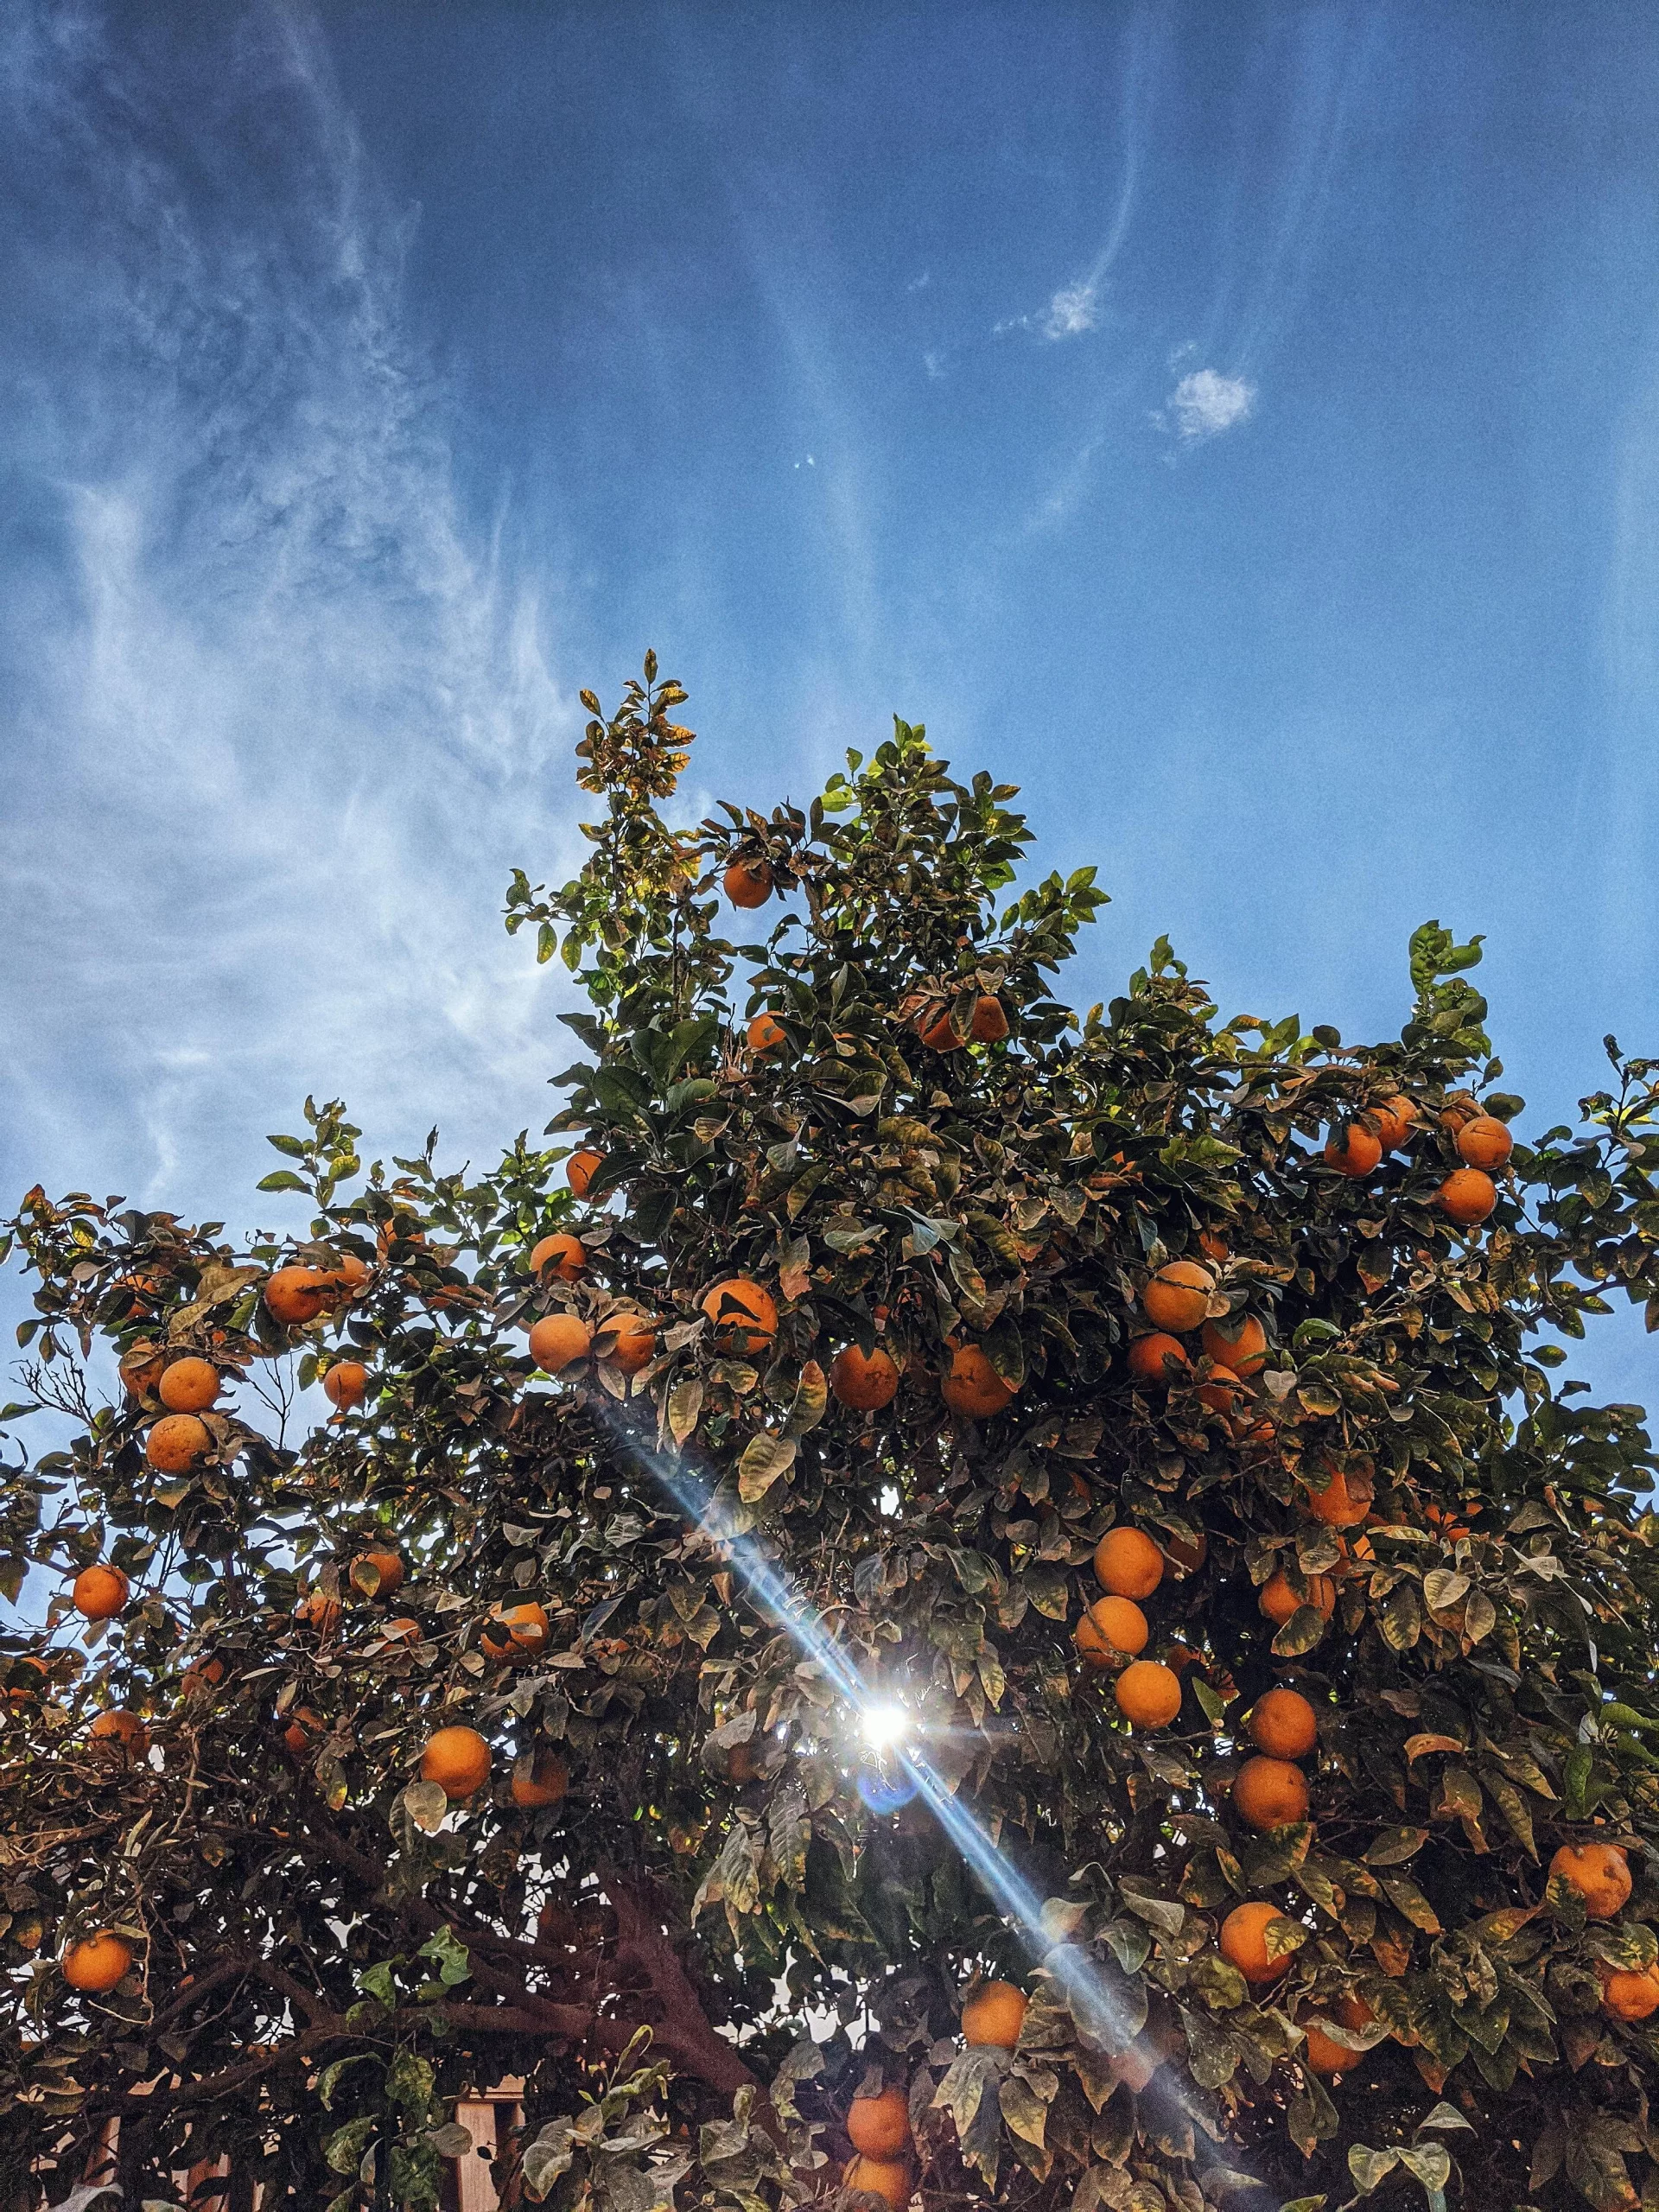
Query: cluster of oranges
column 1468, row 1194
column 1128, row 1567
column 877, row 2126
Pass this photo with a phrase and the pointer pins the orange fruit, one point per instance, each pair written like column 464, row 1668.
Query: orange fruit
column 205, row 1674
column 888, row 2178
column 1336, row 1505
column 1245, row 1941
column 581, row 1169
column 1444, row 1520
column 1148, row 1357
column 343, row 1282
column 1600, row 1872
column 994, row 2015
column 1222, row 1392
column 1111, row 1627
column 1239, row 1344
column 1186, row 1555
column 121, row 1731
column 141, row 1370
column 1270, row 1793
column 1178, row 1297
column 970, row 1386
column 1148, row 1693
column 937, row 1031
column 177, row 1443
column 1394, row 1119
column 345, row 1384
column 1327, row 2058
column 1629, row 1996
column 402, row 1629
column 1128, row 1563
column 747, row 883
column 990, row 1024
column 389, row 1566
column 295, row 1295
column 97, row 1963
column 188, row 1386
column 865, row 1385
column 764, row 1032
column 1284, row 1725
column 563, row 1256
column 1352, row 1150
column 319, row 1611
column 558, row 1341
column 1214, row 1246
column 515, row 1634
column 1468, row 1195
column 99, row 1592
column 1485, row 1142
column 546, row 1783
column 631, row 1338
column 744, row 1317
column 880, row 2126
column 1279, row 1601
column 458, row 1760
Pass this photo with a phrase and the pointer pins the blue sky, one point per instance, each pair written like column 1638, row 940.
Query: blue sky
column 1239, row 425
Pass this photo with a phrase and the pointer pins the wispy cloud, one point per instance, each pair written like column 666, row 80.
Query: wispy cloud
column 279, row 723
column 1205, row 403
column 1073, row 309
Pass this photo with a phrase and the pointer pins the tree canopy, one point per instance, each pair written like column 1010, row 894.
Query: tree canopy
column 1013, row 1595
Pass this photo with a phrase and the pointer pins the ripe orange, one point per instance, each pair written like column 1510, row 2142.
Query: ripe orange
column 865, row 1385
column 936, row 1031
column 402, row 1629
column 1177, row 1296
column 188, row 1386
column 295, row 1295
column 1148, row 1355
column 888, row 2179
column 558, row 1341
column 458, row 1760
column 1270, row 1793
column 303, row 1728
column 561, row 1255
column 1629, row 1996
column 1468, row 1195
column 120, row 1732
column 581, row 1169
column 1394, row 1119
column 1600, row 1872
column 1245, row 1941
column 319, row 1611
column 96, row 1963
column 1323, row 2055
column 1352, row 1150
column 1222, row 1392
column 545, row 1783
column 205, row 1674
column 1239, row 1344
column 744, row 1317
column 1214, row 1246
column 515, row 1634
column 1337, row 1506
column 1284, row 1725
column 970, row 1386
column 880, row 2126
column 177, row 1443
column 1279, row 1601
column 1186, row 1555
column 1148, row 1695
column 1110, row 1627
column 747, row 883
column 345, row 1281
column 994, row 2015
column 1484, row 1142
column 345, row 1384
column 631, row 1338
column 389, row 1566
column 99, row 1592
column 764, row 1032
column 141, row 1370
column 1444, row 1521
column 1128, row 1563
column 990, row 1024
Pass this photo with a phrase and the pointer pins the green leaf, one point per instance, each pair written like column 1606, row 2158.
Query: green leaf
column 282, row 1179
column 1371, row 2169
column 765, row 1460
column 344, row 2149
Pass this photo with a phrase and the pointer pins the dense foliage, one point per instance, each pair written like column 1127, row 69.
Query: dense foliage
column 690, row 1904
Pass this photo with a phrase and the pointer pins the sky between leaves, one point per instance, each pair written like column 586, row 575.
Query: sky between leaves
column 1239, row 427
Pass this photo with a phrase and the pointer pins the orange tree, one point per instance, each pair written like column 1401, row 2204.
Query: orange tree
column 1150, row 1416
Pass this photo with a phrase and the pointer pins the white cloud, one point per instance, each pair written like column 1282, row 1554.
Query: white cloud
column 934, row 364
column 278, row 724
column 1205, row 404
column 1073, row 309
